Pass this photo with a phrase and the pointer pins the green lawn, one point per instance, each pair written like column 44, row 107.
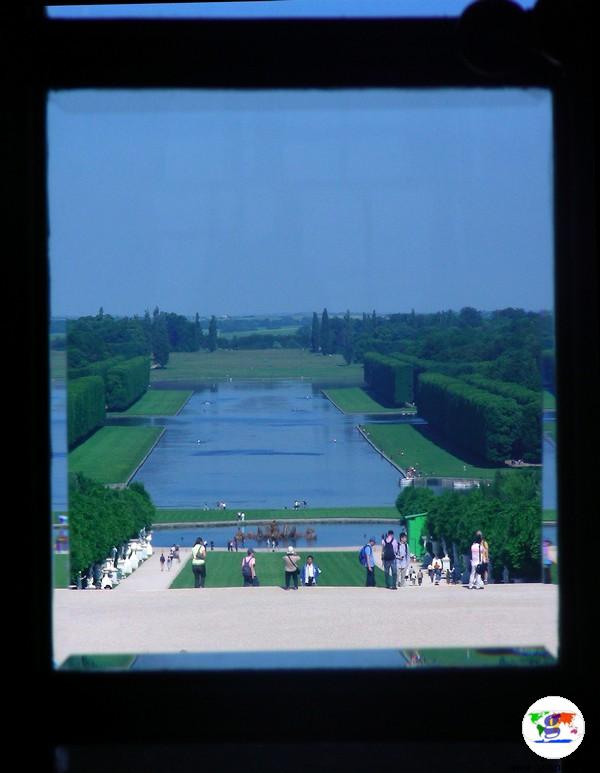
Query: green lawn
column 61, row 570
column 112, row 454
column 159, row 402
column 550, row 429
column 410, row 446
column 58, row 364
column 549, row 401
column 176, row 515
column 356, row 400
column 257, row 364
column 223, row 570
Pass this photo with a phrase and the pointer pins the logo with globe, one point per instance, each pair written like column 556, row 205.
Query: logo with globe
column 553, row 727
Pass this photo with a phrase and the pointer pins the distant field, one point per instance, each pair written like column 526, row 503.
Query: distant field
column 356, row 400
column 112, row 454
column 176, row 515
column 163, row 402
column 257, row 364
column 58, row 364
column 549, row 402
column 223, row 570
column 275, row 331
column 411, row 447
column 61, row 570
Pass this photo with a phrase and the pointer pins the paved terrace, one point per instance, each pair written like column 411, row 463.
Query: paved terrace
column 142, row 616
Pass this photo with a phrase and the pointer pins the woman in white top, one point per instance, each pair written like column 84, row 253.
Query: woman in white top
column 475, row 580
column 199, row 563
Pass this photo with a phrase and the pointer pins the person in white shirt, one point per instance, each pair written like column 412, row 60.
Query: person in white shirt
column 310, row 572
column 475, row 580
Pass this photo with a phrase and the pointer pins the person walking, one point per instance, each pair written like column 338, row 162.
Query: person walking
column 485, row 556
column 370, row 563
column 475, row 580
column 249, row 569
column 199, row 563
column 169, row 561
column 403, row 559
column 437, row 569
column 162, row 562
column 290, row 565
column 389, row 556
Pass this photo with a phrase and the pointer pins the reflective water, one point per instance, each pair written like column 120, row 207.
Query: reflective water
column 328, row 535
column 264, row 446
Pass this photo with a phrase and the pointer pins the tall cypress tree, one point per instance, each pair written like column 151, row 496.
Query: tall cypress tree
column 315, row 336
column 198, row 335
column 348, row 348
column 212, row 334
column 325, row 333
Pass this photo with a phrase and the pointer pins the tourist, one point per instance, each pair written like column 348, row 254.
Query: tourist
column 485, row 556
column 162, row 562
column 176, row 553
column 310, row 572
column 446, row 568
column 212, row 545
column 475, row 580
column 430, row 572
column 370, row 563
column 420, row 576
column 547, row 561
column 249, row 569
column 403, row 559
column 389, row 556
column 169, row 561
column 436, row 565
column 290, row 565
column 199, row 563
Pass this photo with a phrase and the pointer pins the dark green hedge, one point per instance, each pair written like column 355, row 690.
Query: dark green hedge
column 529, row 445
column 100, row 368
column 126, row 383
column 482, row 423
column 100, row 517
column 389, row 378
column 85, row 408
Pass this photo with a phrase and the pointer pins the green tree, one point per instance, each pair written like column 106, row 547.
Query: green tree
column 212, row 334
column 198, row 334
column 348, row 340
column 325, row 333
column 315, row 335
column 160, row 340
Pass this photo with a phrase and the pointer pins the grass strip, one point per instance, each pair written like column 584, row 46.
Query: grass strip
column 357, row 400
column 159, row 402
column 112, row 454
column 264, row 364
column 61, row 573
column 550, row 429
column 180, row 515
column 223, row 570
column 410, row 446
column 549, row 401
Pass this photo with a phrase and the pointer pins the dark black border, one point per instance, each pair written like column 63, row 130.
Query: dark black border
column 551, row 47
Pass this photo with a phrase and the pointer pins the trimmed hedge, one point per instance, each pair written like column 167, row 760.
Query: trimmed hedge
column 482, row 423
column 126, row 383
column 391, row 379
column 85, row 408
column 529, row 445
column 99, row 368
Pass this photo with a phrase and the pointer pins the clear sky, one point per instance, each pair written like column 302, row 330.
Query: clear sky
column 230, row 202
column 273, row 9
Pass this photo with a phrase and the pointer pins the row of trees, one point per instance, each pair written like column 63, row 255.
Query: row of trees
column 389, row 378
column 484, row 424
column 100, row 517
column 508, row 512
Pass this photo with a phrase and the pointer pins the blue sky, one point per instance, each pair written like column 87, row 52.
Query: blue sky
column 276, row 8
column 256, row 202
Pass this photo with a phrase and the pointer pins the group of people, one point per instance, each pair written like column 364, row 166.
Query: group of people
column 308, row 574
column 172, row 555
column 395, row 557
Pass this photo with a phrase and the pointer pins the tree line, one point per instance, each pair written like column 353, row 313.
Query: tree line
column 508, row 512
column 100, row 518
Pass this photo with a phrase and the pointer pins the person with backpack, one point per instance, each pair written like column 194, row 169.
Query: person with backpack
column 403, row 560
column 367, row 559
column 436, row 565
column 249, row 569
column 389, row 556
column 199, row 563
column 290, row 563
